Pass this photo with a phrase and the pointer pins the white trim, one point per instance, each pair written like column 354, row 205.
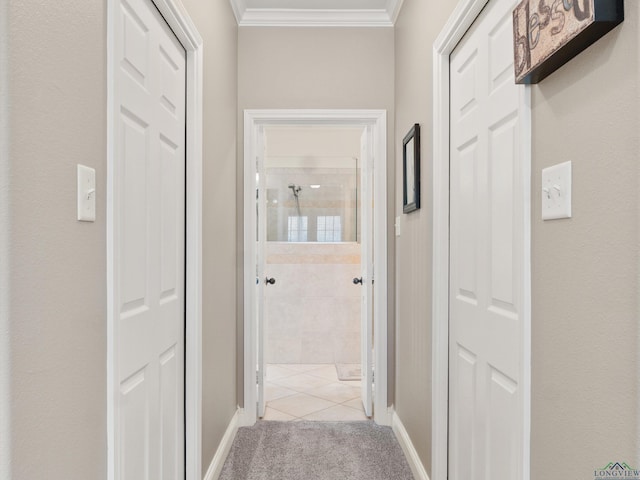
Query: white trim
column 215, row 468
column 417, row 468
column 289, row 17
column 183, row 27
column 460, row 21
column 254, row 120
column 315, row 17
column 393, row 9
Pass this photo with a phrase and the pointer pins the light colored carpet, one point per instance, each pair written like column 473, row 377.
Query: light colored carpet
column 348, row 371
column 315, row 451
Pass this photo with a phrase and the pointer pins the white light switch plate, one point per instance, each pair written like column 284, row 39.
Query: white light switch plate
column 398, row 225
column 86, row 194
column 556, row 191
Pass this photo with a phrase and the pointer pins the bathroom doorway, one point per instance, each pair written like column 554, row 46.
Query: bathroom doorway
column 312, row 307
column 309, row 257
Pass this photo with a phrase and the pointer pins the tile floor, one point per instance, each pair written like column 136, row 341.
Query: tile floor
column 310, row 392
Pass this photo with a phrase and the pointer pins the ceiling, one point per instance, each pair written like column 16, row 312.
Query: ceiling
column 316, row 13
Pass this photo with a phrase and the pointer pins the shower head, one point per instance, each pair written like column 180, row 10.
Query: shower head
column 295, row 189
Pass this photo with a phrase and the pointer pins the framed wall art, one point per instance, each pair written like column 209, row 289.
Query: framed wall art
column 411, row 170
column 549, row 33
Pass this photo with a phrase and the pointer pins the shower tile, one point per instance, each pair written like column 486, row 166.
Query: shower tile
column 347, row 348
column 317, row 347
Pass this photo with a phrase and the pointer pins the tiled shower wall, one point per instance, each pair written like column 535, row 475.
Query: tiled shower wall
column 313, row 309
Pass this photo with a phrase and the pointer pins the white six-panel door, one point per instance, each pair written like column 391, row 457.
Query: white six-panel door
column 487, row 269
column 366, row 273
column 149, row 251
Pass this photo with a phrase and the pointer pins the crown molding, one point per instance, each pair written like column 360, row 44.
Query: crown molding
column 288, row 17
column 393, row 9
column 239, row 7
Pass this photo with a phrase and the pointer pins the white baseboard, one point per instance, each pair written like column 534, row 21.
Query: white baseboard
column 213, row 472
column 404, row 440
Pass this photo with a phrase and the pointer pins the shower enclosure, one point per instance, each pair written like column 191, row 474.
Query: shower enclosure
column 313, row 228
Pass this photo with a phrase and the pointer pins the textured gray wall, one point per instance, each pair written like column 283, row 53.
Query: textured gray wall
column 316, row 68
column 53, row 268
column 56, row 265
column 416, row 29
column 217, row 26
column 585, row 269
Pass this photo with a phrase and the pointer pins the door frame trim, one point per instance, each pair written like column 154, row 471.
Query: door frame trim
column 187, row 34
column 464, row 15
column 254, row 120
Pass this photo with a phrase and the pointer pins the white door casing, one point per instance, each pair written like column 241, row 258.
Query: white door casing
column 255, row 120
column 150, row 80
column 488, row 255
column 366, row 274
column 261, row 261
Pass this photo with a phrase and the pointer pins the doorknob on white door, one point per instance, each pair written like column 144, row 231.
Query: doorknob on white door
column 270, row 281
column 357, row 281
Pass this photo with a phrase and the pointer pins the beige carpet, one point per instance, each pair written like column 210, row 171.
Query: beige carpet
column 315, row 451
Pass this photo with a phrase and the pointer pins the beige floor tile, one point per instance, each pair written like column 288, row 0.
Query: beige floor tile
column 303, row 367
column 276, row 415
column 335, row 392
column 301, row 382
column 326, row 371
column 338, row 413
column 355, row 403
column 273, row 391
column 300, row 405
column 274, row 372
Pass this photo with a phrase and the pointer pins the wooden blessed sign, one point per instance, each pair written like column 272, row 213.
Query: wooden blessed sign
column 549, row 33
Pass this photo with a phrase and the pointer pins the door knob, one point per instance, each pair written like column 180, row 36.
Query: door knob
column 270, row 281
column 357, row 281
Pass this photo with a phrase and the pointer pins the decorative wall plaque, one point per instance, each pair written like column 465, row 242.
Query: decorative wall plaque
column 549, row 33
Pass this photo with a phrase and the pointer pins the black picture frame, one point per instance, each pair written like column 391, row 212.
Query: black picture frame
column 411, row 170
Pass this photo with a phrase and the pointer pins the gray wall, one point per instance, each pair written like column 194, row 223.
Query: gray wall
column 217, row 26
column 585, row 270
column 53, row 268
column 315, row 68
column 56, row 265
column 416, row 29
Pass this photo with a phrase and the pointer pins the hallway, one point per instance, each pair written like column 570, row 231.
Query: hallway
column 316, row 451
column 56, row 412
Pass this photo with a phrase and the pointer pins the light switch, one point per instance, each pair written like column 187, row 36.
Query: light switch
column 397, row 225
column 556, row 191
column 86, row 194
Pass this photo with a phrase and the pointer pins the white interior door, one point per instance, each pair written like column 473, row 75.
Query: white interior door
column 487, row 247
column 261, row 264
column 366, row 262
column 149, row 252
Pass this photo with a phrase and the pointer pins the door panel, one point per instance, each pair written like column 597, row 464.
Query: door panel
column 149, row 231
column 487, row 254
column 367, row 274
